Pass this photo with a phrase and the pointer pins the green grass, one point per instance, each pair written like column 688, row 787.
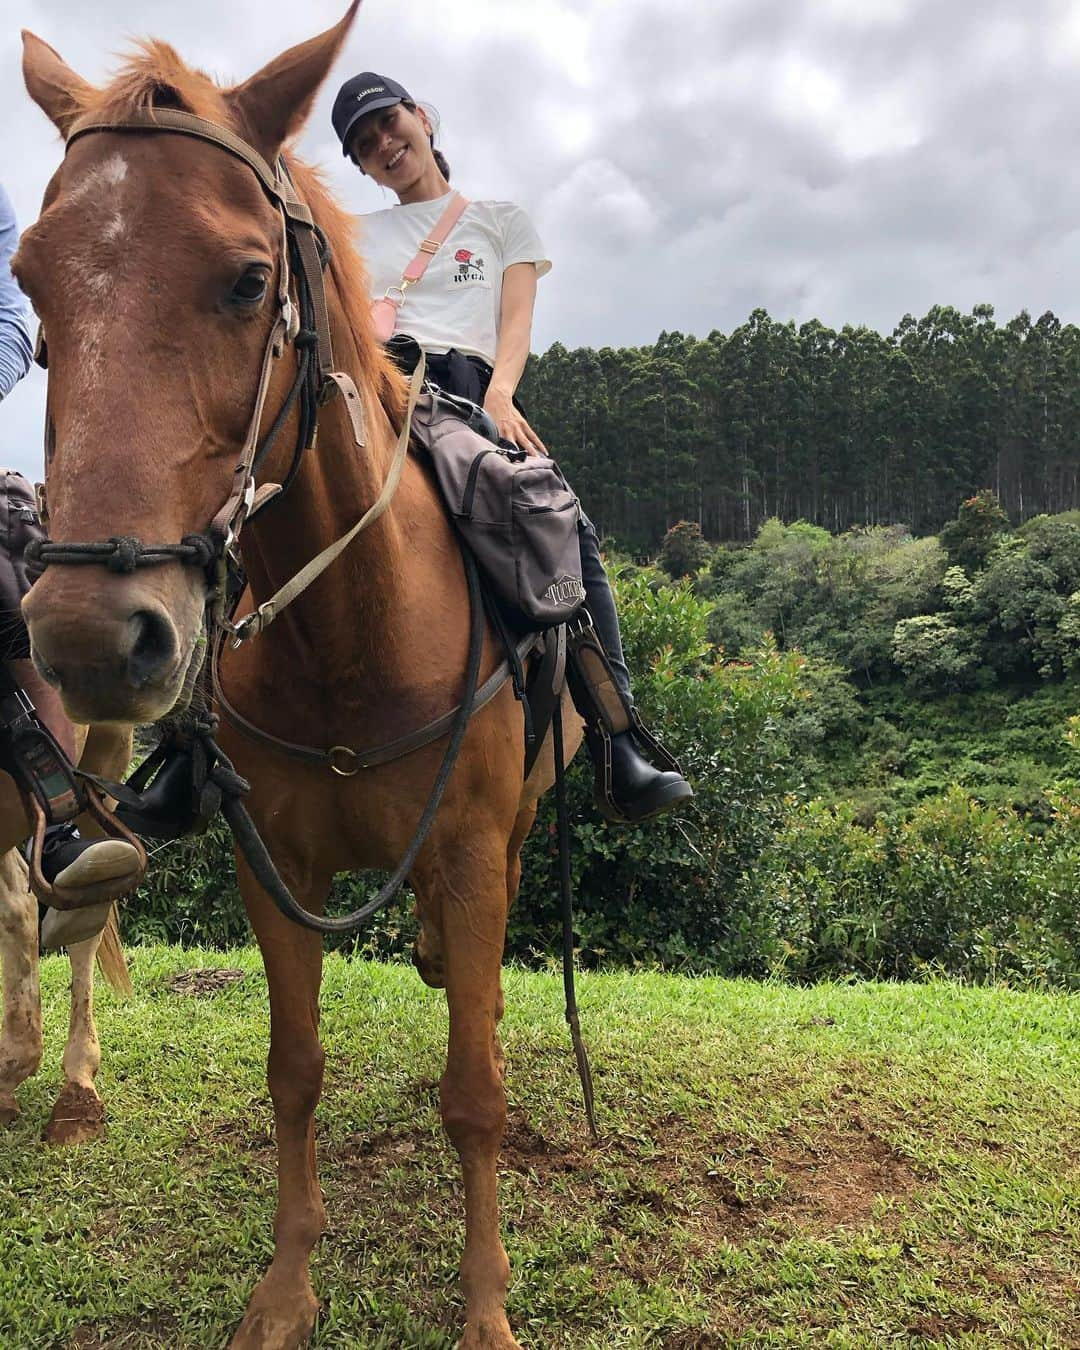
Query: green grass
column 846, row 1166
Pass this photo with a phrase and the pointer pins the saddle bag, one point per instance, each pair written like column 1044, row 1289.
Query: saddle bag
column 514, row 511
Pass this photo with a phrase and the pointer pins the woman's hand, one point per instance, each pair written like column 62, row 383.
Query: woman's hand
column 499, row 405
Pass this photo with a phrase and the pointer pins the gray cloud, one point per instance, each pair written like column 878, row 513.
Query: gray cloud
column 836, row 159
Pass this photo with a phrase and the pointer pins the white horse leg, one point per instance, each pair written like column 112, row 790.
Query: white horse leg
column 78, row 1115
column 20, row 1039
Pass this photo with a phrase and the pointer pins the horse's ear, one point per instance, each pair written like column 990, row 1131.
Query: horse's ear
column 52, row 84
column 274, row 104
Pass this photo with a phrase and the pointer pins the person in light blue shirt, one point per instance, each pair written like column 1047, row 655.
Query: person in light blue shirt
column 16, row 349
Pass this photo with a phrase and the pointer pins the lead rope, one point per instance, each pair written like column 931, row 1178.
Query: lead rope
column 566, row 890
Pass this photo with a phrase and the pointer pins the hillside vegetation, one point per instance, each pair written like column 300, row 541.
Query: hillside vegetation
column 878, row 730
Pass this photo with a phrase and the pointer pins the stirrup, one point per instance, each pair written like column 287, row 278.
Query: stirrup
column 53, row 794
column 606, row 709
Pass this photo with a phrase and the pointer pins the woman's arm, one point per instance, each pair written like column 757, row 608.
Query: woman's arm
column 515, row 332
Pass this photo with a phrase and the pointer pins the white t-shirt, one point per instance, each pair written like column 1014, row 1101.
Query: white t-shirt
column 456, row 302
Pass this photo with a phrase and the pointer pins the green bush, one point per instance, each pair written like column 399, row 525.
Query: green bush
column 679, row 890
column 956, row 888
column 684, row 550
column 909, row 876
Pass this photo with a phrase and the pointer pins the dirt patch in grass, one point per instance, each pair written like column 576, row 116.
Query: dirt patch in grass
column 203, row 983
column 154, row 1329
column 832, row 1179
column 525, row 1149
column 715, row 1187
column 935, row 1327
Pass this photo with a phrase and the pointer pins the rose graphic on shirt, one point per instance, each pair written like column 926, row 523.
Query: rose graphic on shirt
column 470, row 267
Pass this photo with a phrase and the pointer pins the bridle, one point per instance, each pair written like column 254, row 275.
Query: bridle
column 303, row 324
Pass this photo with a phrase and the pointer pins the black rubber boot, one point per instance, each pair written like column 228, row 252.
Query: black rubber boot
column 641, row 791
column 639, row 788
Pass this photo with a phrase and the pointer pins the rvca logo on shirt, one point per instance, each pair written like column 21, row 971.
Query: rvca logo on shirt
column 470, row 267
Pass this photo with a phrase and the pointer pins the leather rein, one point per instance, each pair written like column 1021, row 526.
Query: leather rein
column 305, row 325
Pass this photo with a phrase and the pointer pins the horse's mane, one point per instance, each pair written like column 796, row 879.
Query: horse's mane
column 156, row 76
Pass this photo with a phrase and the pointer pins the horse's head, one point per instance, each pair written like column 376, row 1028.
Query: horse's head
column 154, row 268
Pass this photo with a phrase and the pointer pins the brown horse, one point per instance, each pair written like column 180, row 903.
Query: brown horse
column 153, row 267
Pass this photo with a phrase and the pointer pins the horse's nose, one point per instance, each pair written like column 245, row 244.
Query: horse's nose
column 154, row 647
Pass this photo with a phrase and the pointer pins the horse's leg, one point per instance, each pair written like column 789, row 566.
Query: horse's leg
column 79, row 1115
column 281, row 1312
column 522, row 826
column 473, row 895
column 20, row 1039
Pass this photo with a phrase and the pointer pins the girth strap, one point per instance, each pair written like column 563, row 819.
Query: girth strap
column 343, row 759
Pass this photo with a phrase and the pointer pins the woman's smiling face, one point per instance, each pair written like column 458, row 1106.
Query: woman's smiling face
column 392, row 146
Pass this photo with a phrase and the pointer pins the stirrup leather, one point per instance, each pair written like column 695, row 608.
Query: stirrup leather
column 606, row 709
column 41, row 771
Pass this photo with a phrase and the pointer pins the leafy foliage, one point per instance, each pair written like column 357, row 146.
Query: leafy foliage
column 927, row 708
column 684, row 549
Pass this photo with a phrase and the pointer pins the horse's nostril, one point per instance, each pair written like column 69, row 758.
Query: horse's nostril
column 153, row 649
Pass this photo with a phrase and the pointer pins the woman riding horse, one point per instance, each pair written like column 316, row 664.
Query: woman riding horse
column 471, row 313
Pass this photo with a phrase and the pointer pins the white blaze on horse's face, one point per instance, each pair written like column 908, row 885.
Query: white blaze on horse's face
column 106, row 201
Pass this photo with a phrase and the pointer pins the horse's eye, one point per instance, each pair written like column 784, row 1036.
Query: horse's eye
column 251, row 287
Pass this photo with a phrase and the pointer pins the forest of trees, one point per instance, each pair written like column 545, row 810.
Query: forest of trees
column 836, row 428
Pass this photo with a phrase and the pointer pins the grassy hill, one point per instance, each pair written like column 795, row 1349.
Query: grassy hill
column 859, row 1165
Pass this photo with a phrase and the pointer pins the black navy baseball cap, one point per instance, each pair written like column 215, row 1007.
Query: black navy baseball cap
column 363, row 94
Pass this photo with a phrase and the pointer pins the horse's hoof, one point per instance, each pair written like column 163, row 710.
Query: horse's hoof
column 9, row 1109
column 277, row 1323
column 77, row 1118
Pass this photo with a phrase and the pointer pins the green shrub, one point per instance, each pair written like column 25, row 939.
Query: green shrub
column 910, row 876
column 684, row 550
column 956, row 888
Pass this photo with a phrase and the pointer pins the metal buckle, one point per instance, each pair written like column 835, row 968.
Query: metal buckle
column 400, row 290
column 339, row 751
column 430, row 246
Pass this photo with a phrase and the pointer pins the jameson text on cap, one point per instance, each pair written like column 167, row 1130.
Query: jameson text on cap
column 363, row 94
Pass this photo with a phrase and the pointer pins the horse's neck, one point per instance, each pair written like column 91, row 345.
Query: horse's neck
column 359, row 592
column 366, row 624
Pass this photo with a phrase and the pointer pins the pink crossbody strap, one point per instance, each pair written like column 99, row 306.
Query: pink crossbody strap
column 436, row 239
column 384, row 311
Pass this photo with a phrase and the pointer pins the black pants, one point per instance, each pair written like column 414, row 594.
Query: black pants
column 469, row 377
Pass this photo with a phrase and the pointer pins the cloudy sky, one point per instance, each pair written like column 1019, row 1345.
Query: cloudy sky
column 849, row 160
